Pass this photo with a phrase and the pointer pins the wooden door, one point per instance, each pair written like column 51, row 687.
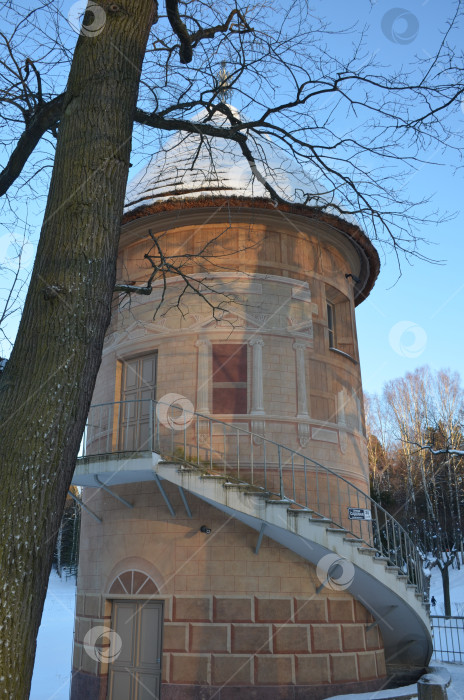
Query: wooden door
column 138, row 392
column 136, row 673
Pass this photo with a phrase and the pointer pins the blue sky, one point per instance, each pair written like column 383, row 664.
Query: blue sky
column 416, row 319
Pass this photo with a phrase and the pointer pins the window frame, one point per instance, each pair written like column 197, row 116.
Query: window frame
column 229, row 386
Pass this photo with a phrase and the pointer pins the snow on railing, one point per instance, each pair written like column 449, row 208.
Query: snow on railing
column 185, row 437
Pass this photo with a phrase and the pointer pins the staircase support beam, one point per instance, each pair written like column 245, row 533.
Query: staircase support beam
column 260, row 538
column 103, row 486
column 164, row 494
column 184, row 501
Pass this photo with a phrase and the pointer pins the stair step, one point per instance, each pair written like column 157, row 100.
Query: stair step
column 277, row 501
column 351, row 540
column 316, row 519
column 214, row 476
column 242, row 487
column 403, row 577
column 412, row 585
column 301, row 510
column 393, row 569
column 368, row 551
column 298, row 511
column 340, row 530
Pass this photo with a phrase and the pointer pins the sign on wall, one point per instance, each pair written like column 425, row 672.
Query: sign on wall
column 359, row 514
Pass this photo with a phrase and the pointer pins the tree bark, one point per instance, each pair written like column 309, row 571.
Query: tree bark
column 47, row 386
column 446, row 589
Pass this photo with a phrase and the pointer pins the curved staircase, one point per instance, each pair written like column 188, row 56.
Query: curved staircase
column 249, row 478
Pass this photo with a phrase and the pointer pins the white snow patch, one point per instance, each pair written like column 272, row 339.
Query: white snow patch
column 408, row 691
column 456, row 591
column 52, row 670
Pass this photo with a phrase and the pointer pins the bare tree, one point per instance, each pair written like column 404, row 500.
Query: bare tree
column 314, row 106
column 423, row 413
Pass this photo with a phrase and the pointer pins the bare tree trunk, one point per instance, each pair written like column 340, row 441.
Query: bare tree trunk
column 48, row 383
column 446, row 589
column 444, row 570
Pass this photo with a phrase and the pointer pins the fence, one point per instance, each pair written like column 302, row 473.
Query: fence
column 185, row 437
column 448, row 638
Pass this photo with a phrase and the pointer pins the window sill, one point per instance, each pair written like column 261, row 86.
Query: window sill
column 344, row 354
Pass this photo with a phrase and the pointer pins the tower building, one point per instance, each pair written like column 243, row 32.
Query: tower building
column 228, row 536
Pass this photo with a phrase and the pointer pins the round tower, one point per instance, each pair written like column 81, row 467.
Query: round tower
column 249, row 330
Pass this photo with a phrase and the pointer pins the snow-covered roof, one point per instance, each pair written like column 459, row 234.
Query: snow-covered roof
column 188, row 165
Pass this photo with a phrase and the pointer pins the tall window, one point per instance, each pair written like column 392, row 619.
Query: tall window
column 229, row 378
column 340, row 322
column 331, row 323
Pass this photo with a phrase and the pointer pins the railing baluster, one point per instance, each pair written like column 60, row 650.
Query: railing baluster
column 328, row 496
column 305, row 482
column 317, row 487
column 198, row 440
column 224, row 449
column 252, row 460
column 210, row 444
column 293, row 478
column 185, row 435
column 265, row 465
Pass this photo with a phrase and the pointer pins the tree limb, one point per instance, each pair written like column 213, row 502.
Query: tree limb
column 180, row 30
column 45, row 118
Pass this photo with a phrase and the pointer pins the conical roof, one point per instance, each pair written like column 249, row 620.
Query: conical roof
column 189, row 165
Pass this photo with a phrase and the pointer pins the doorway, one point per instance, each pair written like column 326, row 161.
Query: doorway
column 137, row 392
column 136, row 672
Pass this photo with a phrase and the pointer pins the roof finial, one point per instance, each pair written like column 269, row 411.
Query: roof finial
column 224, row 90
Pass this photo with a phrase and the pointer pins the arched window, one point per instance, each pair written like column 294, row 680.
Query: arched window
column 133, row 583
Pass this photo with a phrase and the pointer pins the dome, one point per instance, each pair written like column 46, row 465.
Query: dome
column 188, row 165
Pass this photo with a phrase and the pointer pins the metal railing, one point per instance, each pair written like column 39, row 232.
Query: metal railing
column 448, row 638
column 185, row 437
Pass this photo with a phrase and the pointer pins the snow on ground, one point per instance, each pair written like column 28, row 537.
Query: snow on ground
column 52, row 670
column 456, row 591
column 456, row 689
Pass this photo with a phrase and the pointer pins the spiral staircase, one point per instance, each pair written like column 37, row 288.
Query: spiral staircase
column 278, row 492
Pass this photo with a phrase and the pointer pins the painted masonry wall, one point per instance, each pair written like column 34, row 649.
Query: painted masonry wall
column 231, row 617
column 288, row 271
column 234, row 618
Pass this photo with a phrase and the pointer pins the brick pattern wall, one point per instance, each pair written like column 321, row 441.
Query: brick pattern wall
column 230, row 640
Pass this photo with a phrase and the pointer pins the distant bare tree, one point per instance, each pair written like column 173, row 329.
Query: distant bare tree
column 423, row 412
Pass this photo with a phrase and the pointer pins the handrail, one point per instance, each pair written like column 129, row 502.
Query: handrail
column 181, row 435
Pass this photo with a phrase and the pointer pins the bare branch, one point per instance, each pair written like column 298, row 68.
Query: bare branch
column 45, row 118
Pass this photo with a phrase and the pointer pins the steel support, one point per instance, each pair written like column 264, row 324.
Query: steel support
column 82, row 505
column 184, row 501
column 260, row 538
column 164, row 495
column 112, row 493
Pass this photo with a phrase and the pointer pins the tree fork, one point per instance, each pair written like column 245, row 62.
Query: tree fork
column 47, row 386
